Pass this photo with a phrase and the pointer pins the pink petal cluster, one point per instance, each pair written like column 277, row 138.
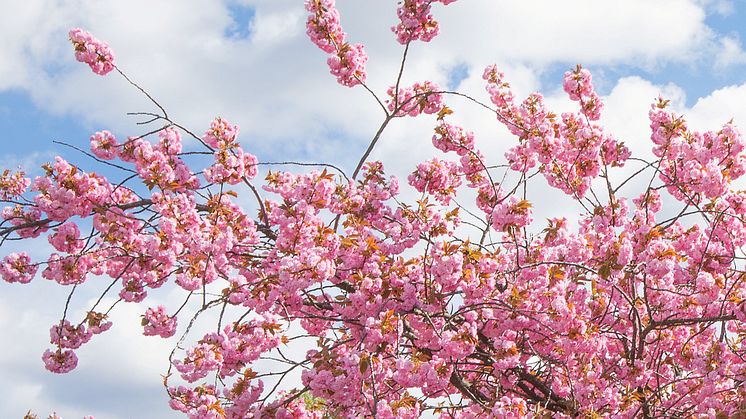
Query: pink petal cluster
column 13, row 184
column 579, row 87
column 200, row 361
column 156, row 322
column 60, row 361
column 232, row 165
column 570, row 151
column 66, row 191
column 346, row 61
column 227, row 354
column 104, row 145
column 502, row 96
column 92, row 51
column 695, row 164
column 511, row 214
column 414, row 100
column 159, row 165
column 70, row 270
column 221, row 135
column 450, row 137
column 199, row 403
column 17, row 267
column 97, row 322
column 437, row 177
column 66, row 238
column 24, row 215
column 415, row 21
column 298, row 408
column 67, row 336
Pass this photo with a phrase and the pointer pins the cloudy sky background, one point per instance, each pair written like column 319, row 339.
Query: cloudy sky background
column 250, row 62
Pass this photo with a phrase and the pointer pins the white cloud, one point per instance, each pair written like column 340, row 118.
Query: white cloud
column 275, row 27
column 626, row 111
column 722, row 105
column 721, row 7
column 730, row 53
column 584, row 31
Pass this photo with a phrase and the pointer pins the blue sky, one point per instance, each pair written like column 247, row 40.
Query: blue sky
column 250, row 62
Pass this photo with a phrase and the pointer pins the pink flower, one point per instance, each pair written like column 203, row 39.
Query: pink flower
column 66, row 238
column 157, row 323
column 579, row 87
column 104, row 145
column 200, row 361
column 69, row 270
column 436, row 177
column 415, row 22
column 453, row 138
column 19, row 215
column 97, row 322
column 346, row 61
column 13, row 185
column 348, row 64
column 92, row 51
column 222, row 134
column 511, row 214
column 60, row 361
column 419, row 98
column 17, row 267
column 67, row 336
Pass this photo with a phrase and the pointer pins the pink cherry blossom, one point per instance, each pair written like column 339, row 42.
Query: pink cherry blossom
column 17, row 267
column 157, row 322
column 60, row 361
column 66, row 238
column 13, row 184
column 92, row 51
column 104, row 145
column 346, row 61
column 419, row 98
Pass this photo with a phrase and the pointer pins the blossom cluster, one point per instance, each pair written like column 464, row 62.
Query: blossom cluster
column 160, row 165
column 227, row 354
column 627, row 307
column 17, row 267
column 425, row 97
column 232, row 165
column 156, row 322
column 24, row 218
column 92, row 51
column 437, row 177
column 104, row 145
column 415, row 21
column 346, row 61
column 570, row 151
column 12, row 184
column 66, row 238
column 695, row 164
column 67, row 191
column 60, row 361
column 579, row 87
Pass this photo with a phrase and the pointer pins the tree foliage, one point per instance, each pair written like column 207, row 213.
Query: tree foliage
column 437, row 304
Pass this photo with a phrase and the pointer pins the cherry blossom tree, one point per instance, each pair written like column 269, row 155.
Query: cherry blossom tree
column 430, row 306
